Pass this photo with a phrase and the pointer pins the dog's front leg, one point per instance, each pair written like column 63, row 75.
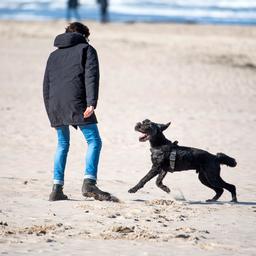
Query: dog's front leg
column 159, row 182
column 151, row 174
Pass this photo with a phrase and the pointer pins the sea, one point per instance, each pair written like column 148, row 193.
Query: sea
column 237, row 12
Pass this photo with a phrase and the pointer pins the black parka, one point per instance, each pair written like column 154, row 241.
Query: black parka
column 71, row 81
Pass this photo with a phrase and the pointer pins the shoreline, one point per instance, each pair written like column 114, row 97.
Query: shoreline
column 174, row 22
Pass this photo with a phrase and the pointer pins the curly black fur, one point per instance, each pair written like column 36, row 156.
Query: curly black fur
column 206, row 164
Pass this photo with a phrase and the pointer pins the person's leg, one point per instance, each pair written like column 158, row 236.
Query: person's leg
column 89, row 188
column 68, row 14
column 76, row 13
column 61, row 154
column 101, row 14
column 60, row 163
column 92, row 136
column 104, row 13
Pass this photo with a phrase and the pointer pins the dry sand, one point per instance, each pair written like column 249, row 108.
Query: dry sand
column 202, row 78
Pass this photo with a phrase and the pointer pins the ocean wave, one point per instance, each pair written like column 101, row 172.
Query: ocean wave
column 197, row 11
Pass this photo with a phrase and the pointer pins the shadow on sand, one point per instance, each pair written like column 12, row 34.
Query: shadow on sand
column 139, row 200
column 246, row 203
column 111, row 199
column 222, row 202
column 76, row 200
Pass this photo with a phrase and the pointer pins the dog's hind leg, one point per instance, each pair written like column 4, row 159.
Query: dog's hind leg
column 218, row 190
column 230, row 187
column 217, row 181
column 159, row 182
column 151, row 174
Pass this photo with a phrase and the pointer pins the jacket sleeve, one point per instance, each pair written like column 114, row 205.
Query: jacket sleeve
column 92, row 77
column 46, row 85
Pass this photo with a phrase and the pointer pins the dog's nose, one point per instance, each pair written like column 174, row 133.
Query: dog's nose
column 137, row 126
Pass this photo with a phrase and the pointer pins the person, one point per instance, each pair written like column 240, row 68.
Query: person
column 72, row 6
column 70, row 93
column 103, row 10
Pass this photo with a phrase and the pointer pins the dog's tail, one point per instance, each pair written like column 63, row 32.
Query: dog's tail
column 227, row 160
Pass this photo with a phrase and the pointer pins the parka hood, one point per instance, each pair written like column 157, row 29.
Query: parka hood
column 68, row 39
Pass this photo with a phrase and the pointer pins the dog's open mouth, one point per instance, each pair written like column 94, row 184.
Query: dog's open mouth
column 144, row 137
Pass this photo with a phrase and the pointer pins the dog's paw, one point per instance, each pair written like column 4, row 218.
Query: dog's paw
column 167, row 190
column 132, row 190
column 211, row 200
column 234, row 200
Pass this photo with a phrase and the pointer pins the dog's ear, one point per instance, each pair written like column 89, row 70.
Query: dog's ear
column 164, row 126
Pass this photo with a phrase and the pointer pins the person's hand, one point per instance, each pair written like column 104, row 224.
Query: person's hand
column 89, row 111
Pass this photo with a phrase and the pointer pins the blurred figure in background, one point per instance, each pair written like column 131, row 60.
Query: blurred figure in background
column 103, row 4
column 72, row 7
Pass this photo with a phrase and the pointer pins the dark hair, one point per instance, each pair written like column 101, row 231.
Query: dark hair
column 79, row 28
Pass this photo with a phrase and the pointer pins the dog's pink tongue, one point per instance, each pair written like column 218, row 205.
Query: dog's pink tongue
column 142, row 137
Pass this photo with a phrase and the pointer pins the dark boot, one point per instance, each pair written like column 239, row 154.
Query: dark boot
column 89, row 189
column 57, row 193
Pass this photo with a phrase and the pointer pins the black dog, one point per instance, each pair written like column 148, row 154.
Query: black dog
column 169, row 157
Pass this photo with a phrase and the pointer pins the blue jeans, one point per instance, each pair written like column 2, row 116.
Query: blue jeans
column 93, row 140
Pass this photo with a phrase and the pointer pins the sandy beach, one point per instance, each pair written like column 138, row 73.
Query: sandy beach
column 201, row 78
